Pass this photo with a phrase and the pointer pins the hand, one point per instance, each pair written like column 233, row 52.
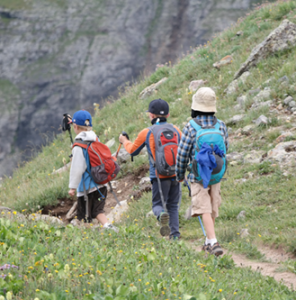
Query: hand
column 72, row 192
column 122, row 139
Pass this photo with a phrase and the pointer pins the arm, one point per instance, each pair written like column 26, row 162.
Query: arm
column 78, row 167
column 183, row 155
column 135, row 147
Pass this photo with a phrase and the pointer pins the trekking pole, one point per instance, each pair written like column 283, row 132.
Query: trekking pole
column 67, row 120
column 111, row 190
column 118, row 149
column 200, row 221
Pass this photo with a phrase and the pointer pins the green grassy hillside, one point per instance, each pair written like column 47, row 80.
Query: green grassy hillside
column 138, row 265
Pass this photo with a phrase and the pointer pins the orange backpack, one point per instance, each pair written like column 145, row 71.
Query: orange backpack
column 103, row 166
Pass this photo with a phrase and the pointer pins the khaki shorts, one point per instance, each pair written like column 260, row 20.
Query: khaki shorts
column 205, row 200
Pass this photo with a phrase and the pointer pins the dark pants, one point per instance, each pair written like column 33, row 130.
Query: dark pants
column 96, row 205
column 171, row 194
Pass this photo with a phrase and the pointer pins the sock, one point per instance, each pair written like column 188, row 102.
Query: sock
column 106, row 225
column 211, row 241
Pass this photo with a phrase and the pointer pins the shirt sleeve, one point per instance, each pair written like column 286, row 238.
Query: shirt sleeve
column 78, row 167
column 134, row 148
column 183, row 155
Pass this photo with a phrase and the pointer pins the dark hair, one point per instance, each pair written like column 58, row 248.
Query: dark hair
column 195, row 113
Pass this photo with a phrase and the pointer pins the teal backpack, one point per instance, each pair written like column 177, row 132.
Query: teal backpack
column 212, row 136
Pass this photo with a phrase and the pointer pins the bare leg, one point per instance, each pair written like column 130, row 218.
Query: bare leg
column 209, row 226
column 102, row 219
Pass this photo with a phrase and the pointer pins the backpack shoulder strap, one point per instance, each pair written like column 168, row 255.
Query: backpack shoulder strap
column 195, row 124
column 81, row 143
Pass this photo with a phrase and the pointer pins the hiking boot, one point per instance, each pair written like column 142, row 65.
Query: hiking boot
column 110, row 226
column 216, row 249
column 206, row 248
column 164, row 219
column 174, row 238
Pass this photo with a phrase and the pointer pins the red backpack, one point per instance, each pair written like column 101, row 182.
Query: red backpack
column 166, row 139
column 103, row 165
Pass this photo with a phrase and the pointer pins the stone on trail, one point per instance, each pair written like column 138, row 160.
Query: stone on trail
column 283, row 37
column 145, row 180
column 46, row 219
column 116, row 213
column 151, row 89
column 72, row 213
column 196, row 84
column 234, row 85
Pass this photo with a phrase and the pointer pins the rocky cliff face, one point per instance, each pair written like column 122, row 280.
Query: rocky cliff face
column 63, row 55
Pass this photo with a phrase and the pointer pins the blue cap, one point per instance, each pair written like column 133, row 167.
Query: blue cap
column 82, row 118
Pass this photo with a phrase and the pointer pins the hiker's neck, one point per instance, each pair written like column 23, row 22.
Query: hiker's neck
column 195, row 113
column 158, row 120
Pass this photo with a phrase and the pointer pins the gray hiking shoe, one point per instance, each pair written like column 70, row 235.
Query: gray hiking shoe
column 110, row 226
column 216, row 249
column 164, row 219
column 206, row 248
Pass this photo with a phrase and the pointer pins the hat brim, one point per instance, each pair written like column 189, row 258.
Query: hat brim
column 203, row 108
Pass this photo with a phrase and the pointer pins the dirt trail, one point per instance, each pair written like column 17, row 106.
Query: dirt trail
column 270, row 268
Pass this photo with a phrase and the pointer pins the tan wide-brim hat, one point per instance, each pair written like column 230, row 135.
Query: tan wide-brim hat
column 204, row 100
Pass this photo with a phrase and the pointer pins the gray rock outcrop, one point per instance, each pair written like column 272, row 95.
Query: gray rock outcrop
column 283, row 37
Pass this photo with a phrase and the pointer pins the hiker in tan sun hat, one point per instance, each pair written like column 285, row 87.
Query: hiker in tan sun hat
column 203, row 145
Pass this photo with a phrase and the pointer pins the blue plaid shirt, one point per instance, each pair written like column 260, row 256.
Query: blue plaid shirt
column 187, row 145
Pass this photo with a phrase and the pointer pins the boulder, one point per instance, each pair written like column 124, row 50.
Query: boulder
column 254, row 157
column 241, row 100
column 288, row 100
column 235, row 119
column 283, row 37
column 46, row 219
column 247, row 130
column 223, row 62
column 234, row 157
column 145, row 180
column 262, row 120
column 292, row 104
column 284, row 79
column 261, row 104
column 196, row 84
column 233, row 86
column 62, row 169
column 123, row 156
column 283, row 136
column 241, row 215
column 116, row 213
column 149, row 214
column 263, row 95
column 149, row 90
column 244, row 233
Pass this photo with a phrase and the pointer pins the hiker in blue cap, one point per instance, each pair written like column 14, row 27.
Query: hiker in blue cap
column 80, row 181
column 204, row 144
